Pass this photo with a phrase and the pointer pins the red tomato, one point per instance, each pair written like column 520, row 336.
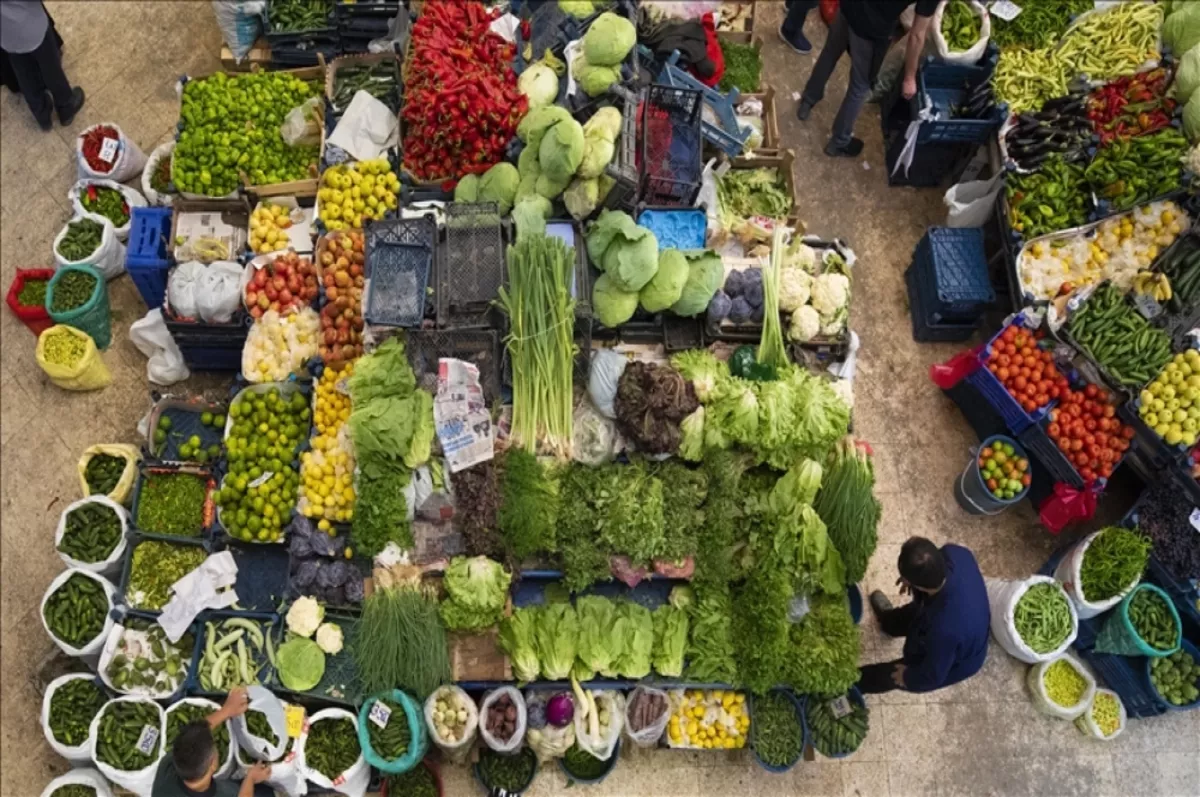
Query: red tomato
column 1026, row 480
column 1090, row 424
column 1009, row 333
column 1030, row 389
column 1054, row 414
column 1088, row 474
column 1003, row 359
column 1127, row 433
column 1101, row 439
column 1089, row 440
column 1053, row 430
column 1081, row 459
column 1076, row 445
column 1018, row 360
column 1028, row 405
column 1010, row 349
column 1063, row 444
column 1019, row 382
column 1110, row 411
column 1105, row 471
column 1092, row 449
column 1090, row 391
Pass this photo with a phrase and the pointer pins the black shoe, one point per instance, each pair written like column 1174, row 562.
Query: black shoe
column 67, row 115
column 46, row 121
column 800, row 44
column 850, row 150
column 880, row 603
column 803, row 111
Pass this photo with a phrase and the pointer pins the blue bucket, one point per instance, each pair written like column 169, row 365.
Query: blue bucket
column 972, row 492
column 854, row 695
column 803, row 734
column 854, row 595
column 1187, row 647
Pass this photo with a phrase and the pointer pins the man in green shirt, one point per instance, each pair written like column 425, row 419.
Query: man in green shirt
column 188, row 769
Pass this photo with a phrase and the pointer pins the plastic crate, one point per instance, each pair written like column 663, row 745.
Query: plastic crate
column 1155, row 451
column 212, row 358
column 993, row 391
column 1046, row 457
column 671, row 145
column 681, row 334
column 481, row 347
column 146, row 254
column 397, row 278
column 208, row 513
column 925, row 328
column 952, row 269
column 675, row 228
column 1125, row 675
column 261, row 663
column 262, row 577
column 932, row 164
column 339, row 684
column 472, row 266
column 945, row 86
column 184, row 417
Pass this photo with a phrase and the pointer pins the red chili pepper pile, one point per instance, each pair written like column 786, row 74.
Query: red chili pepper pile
column 93, row 141
column 1131, row 106
column 461, row 105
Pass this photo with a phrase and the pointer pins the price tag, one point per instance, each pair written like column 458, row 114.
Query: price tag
column 1195, row 519
column 261, row 480
column 342, row 386
column 380, row 714
column 108, row 150
column 295, row 720
column 1005, row 9
column 148, row 739
column 840, row 706
column 1147, row 306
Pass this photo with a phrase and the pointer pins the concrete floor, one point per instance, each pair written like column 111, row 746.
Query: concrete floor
column 981, row 737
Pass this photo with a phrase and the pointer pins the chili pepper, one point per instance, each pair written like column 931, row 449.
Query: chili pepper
column 93, row 142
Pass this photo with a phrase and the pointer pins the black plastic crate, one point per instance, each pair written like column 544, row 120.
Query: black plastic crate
column 212, row 358
column 1125, row 675
column 1045, row 456
column 398, row 277
column 339, row 684
column 481, row 347
column 184, row 418
column 672, row 145
column 925, row 328
column 1155, row 450
column 952, row 269
column 932, row 165
column 186, row 331
column 262, row 576
column 274, row 34
column 268, row 623
column 472, row 267
column 132, row 540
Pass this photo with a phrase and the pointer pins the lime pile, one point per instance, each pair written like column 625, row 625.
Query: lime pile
column 258, row 493
column 230, row 124
column 1171, row 403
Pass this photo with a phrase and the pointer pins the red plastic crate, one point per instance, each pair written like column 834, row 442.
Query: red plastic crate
column 36, row 318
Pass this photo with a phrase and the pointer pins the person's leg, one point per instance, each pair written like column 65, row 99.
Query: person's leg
column 29, row 78
column 835, row 45
column 896, row 622
column 67, row 100
column 792, row 31
column 862, row 69
column 874, row 679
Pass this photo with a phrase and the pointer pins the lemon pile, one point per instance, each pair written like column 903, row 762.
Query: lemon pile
column 1170, row 405
column 327, row 470
column 268, row 228
column 710, row 719
column 356, row 192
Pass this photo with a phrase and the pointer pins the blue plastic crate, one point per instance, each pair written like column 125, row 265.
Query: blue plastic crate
column 991, row 389
column 197, row 471
column 951, row 266
column 398, row 277
column 946, row 86
column 184, row 417
column 676, row 228
column 268, row 623
column 1126, row 676
column 262, row 576
column 925, row 328
column 132, row 540
column 146, row 257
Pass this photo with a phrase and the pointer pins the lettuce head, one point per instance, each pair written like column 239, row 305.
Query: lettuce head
column 597, row 645
column 476, row 590
column 517, row 640
column 556, row 634
column 670, row 640
column 634, row 659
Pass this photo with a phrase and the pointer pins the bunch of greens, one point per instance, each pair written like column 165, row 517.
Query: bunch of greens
column 584, row 561
column 392, row 420
column 846, row 503
column 381, row 514
column 556, row 638
column 771, row 352
column 172, row 503
column 477, row 491
column 722, row 515
column 743, row 67
column 629, row 511
column 635, row 626
column 1112, row 563
column 745, row 193
column 670, row 639
column 684, row 491
column 710, row 652
column 476, row 592
column 652, row 400
column 824, row 648
column 507, row 773
column 760, row 626
column 529, row 505
column 797, row 534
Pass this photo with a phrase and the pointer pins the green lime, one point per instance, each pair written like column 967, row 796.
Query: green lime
column 164, row 422
column 206, row 418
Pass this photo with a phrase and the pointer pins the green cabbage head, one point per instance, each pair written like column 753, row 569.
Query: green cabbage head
column 706, row 274
column 1187, row 79
column 612, row 305
column 499, row 184
column 594, row 79
column 665, row 288
column 581, row 197
column 627, row 253
column 301, row 664
column 609, row 40
column 467, row 189
column 561, row 150
column 539, row 84
column 1191, row 118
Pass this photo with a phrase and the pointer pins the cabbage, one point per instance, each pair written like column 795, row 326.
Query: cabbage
column 627, row 253
column 581, row 197
column 1191, row 118
column 530, row 214
column 609, row 40
column 665, row 287
column 605, row 124
column 705, row 275
column 499, row 184
column 612, row 305
column 718, row 308
column 535, row 123
column 561, row 150
column 301, row 664
column 1187, row 79
column 467, row 189
column 597, row 153
column 577, row 8
column 539, row 84
column 592, row 78
column 1181, row 30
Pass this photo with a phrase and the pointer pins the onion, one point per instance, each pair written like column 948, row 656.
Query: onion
column 560, row 710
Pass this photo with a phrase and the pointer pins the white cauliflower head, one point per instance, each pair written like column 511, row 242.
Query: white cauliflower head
column 805, row 324
column 794, row 287
column 800, row 255
column 830, row 294
column 304, row 616
column 329, row 638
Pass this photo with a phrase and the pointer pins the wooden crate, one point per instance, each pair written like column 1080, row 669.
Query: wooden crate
column 770, row 117
column 259, row 56
column 782, row 159
column 233, row 212
column 745, row 35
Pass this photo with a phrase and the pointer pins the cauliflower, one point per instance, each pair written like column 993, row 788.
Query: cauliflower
column 830, row 293
column 805, row 324
column 329, row 638
column 794, row 287
column 800, row 255
column 832, row 327
column 304, row 616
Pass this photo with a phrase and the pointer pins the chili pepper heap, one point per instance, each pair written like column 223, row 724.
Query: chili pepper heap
column 1131, row 106
column 461, row 104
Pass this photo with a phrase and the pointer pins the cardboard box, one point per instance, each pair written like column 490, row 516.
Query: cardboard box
column 226, row 220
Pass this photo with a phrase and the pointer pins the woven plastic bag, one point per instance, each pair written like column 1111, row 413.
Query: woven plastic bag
column 241, row 23
column 110, row 566
column 133, row 198
column 141, row 781
column 1042, row 701
column 1087, row 724
column 1068, row 573
column 285, row 775
column 108, row 257
column 353, row 782
column 127, row 162
column 225, row 769
column 650, row 734
column 132, row 456
column 972, row 54
column 94, row 316
column 458, row 750
column 1003, row 597
column 418, row 738
column 156, row 198
column 90, row 652
column 90, row 373
column 1120, row 637
column 80, row 777
column 514, row 741
column 77, row 755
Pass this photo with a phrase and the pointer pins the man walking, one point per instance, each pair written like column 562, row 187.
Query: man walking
column 946, row 624
column 792, row 30
column 864, row 28
column 27, row 38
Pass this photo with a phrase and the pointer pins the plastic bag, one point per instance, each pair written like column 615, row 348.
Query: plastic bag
column 1120, row 637
column 1042, row 701
column 1067, row 572
column 90, row 652
column 133, row 198
column 970, row 204
column 80, row 777
column 225, row 769
column 285, row 775
column 396, row 40
column 219, row 292
column 514, row 741
column 650, row 734
column 302, row 126
column 110, row 567
column 605, row 372
column 164, row 150
column 141, row 781
column 1065, row 506
column 108, row 258
column 546, row 740
column 601, row 746
column 90, row 373
column 457, row 751
column 132, row 456
column 1087, row 725
column 241, row 23
column 353, row 781
column 80, row 754
column 1002, row 600
column 183, row 287
column 165, row 365
column 418, row 738
column 973, row 53
column 261, row 699
column 127, row 163
column 594, row 435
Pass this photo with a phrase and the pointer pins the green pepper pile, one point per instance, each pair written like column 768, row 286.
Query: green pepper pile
column 91, row 534
column 107, row 202
column 293, row 16
column 512, row 773
column 834, row 736
column 181, row 714
column 1043, row 617
column 776, row 736
column 417, row 782
column 1039, row 24
column 121, row 726
column 1153, row 620
column 258, row 725
column 74, row 790
column 63, row 347
column 83, row 237
column 961, row 26
column 1050, row 199
column 73, row 290
column 156, row 565
column 76, row 611
column 332, row 746
column 391, row 741
column 1134, row 171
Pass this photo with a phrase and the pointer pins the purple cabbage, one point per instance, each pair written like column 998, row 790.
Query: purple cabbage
column 734, row 283
column 753, row 294
column 739, row 311
column 718, row 308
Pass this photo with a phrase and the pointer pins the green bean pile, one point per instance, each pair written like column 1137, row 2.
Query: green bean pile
column 74, row 790
column 120, row 728
column 75, row 613
column 91, row 534
column 775, row 733
column 1152, row 619
column 103, row 472
column 73, row 706
column 181, row 714
column 1113, row 561
column 1042, row 617
column 509, row 772
column 73, row 290
column 332, row 746
column 83, row 237
column 391, row 741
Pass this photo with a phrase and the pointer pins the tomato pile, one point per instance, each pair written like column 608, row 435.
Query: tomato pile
column 93, row 142
column 1084, row 428
column 1027, row 372
column 1005, row 474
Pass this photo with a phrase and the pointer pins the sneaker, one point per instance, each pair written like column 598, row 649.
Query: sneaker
column 67, row 115
column 880, row 603
column 849, row 150
column 803, row 111
column 800, row 44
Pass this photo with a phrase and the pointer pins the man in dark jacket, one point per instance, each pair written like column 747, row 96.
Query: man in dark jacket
column 945, row 626
column 31, row 46
column 190, row 767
